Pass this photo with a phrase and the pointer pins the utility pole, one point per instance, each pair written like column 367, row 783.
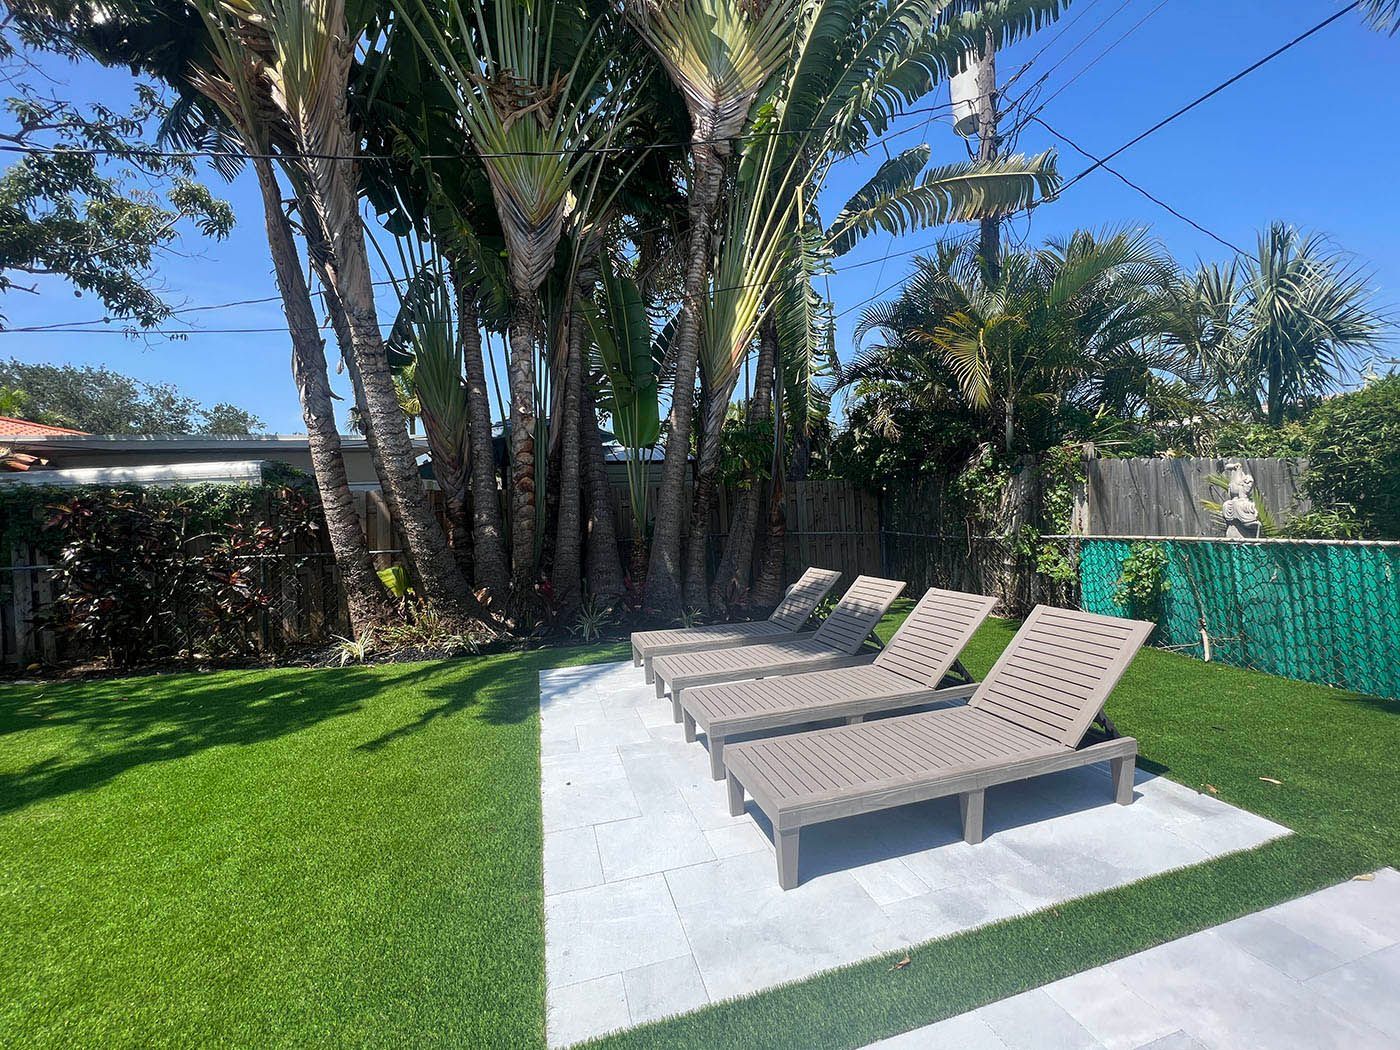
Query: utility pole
column 988, row 143
column 975, row 96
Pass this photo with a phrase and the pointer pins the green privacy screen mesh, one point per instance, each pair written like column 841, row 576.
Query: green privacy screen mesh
column 1324, row 612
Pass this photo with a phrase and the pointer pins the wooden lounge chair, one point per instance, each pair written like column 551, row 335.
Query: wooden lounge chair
column 785, row 622
column 1028, row 717
column 834, row 644
column 906, row 673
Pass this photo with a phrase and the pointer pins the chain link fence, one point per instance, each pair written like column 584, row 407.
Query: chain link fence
column 1324, row 611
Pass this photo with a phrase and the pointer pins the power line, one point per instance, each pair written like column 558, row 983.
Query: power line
column 1213, row 92
column 141, row 151
column 1040, row 106
column 1124, row 179
column 1103, row 161
column 67, row 327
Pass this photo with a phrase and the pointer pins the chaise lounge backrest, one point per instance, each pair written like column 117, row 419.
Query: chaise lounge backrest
column 927, row 643
column 802, row 599
column 857, row 613
column 1057, row 672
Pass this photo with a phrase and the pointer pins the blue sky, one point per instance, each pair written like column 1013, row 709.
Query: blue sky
column 1310, row 138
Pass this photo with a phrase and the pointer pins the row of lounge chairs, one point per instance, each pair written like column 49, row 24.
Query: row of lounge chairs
column 1033, row 713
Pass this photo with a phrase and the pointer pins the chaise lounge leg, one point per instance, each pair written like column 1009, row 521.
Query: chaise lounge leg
column 689, row 727
column 677, row 714
column 786, row 843
column 1123, row 769
column 636, row 657
column 661, row 688
column 972, row 803
column 854, row 720
column 716, row 756
column 648, row 670
column 736, row 796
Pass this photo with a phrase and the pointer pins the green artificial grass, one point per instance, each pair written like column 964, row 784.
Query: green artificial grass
column 275, row 858
column 298, row 857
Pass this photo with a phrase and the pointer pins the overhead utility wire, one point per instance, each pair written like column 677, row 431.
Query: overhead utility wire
column 1103, row 161
column 1213, row 92
column 1133, row 185
column 138, row 151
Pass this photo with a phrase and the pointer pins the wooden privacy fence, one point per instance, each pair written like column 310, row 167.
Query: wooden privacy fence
column 1163, row 497
column 830, row 523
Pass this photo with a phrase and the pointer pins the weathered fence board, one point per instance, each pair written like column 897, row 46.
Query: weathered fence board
column 1163, row 497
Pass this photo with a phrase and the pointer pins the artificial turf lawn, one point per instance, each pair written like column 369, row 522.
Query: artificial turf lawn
column 283, row 857
column 340, row 857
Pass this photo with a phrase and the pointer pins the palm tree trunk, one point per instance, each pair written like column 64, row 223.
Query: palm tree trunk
column 488, row 539
column 364, row 597
column 736, row 563
column 663, row 589
column 449, row 454
column 768, row 587
column 568, row 552
column 521, row 377
column 706, row 481
column 443, row 585
column 319, row 253
column 605, row 579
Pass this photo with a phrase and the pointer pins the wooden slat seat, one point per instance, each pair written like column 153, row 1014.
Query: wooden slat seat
column 1028, row 717
column 834, row 644
column 786, row 621
column 906, row 673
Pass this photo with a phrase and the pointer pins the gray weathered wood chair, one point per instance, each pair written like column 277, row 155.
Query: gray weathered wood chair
column 835, row 644
column 1030, row 716
column 905, row 674
column 784, row 623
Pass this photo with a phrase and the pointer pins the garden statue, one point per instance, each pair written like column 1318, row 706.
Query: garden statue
column 1239, row 513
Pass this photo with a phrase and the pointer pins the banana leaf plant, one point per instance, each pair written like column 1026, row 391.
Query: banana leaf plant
column 621, row 332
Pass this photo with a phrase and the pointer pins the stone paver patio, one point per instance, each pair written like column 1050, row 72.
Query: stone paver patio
column 658, row 902
column 1318, row 973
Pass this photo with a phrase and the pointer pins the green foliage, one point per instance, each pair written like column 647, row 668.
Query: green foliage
column 395, row 580
column 1142, row 581
column 1339, row 523
column 746, row 450
column 141, row 575
column 1261, row 441
column 1354, row 456
column 1281, row 329
column 100, row 210
column 594, row 616
column 100, row 401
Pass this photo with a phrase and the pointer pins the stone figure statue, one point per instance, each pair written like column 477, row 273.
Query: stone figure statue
column 1239, row 512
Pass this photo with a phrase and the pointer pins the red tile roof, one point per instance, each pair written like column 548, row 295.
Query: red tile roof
column 11, row 427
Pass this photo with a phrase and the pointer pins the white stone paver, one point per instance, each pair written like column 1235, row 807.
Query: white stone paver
column 1281, row 979
column 658, row 901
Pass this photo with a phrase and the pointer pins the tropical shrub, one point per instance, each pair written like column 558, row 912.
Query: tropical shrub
column 1354, row 456
column 146, row 574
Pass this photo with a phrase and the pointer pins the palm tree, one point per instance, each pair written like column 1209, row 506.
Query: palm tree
column 1078, row 326
column 305, row 52
column 851, row 69
column 1282, row 327
column 719, row 54
column 1384, row 15
column 533, row 121
column 436, row 188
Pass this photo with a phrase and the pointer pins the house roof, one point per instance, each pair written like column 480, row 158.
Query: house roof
column 249, row 446
column 11, row 426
